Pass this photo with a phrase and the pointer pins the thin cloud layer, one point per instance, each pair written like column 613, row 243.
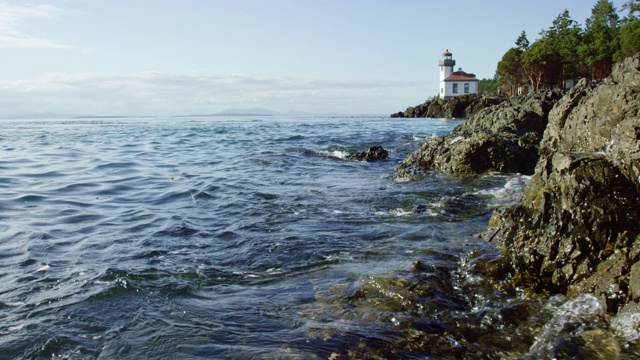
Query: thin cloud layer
column 155, row 93
column 12, row 20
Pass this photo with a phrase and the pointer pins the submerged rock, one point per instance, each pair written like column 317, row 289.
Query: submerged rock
column 577, row 228
column 373, row 153
column 503, row 138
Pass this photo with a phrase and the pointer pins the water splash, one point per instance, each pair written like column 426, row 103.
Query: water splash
column 578, row 328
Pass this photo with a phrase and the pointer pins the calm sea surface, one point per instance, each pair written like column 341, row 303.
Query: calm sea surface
column 244, row 237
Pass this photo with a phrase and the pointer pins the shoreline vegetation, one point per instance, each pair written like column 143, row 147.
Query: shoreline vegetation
column 577, row 229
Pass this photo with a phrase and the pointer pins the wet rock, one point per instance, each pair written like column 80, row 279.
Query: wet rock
column 634, row 281
column 373, row 153
column 577, row 228
column 517, row 312
column 419, row 266
column 420, row 209
column 431, row 326
column 589, row 344
column 501, row 138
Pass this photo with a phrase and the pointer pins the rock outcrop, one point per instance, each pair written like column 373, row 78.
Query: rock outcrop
column 373, row 153
column 503, row 138
column 577, row 228
column 460, row 107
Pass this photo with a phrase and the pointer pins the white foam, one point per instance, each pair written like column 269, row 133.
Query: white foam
column 627, row 326
column 338, row 154
column 511, row 191
column 13, row 304
column 274, row 271
column 400, row 212
column 610, row 146
column 15, row 328
column 422, row 138
column 400, row 179
column 585, row 310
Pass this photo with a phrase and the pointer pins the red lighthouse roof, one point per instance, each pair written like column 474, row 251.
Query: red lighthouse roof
column 461, row 76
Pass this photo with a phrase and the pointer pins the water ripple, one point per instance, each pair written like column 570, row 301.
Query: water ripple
column 230, row 238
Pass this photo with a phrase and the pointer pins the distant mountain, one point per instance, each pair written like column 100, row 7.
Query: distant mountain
column 262, row 112
column 235, row 112
column 245, row 112
column 112, row 117
column 227, row 112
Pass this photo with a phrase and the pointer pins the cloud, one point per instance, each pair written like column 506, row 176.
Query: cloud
column 155, row 93
column 13, row 16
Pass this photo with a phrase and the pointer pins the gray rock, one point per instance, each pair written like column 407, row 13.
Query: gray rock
column 458, row 107
column 577, row 228
column 373, row 153
column 502, row 138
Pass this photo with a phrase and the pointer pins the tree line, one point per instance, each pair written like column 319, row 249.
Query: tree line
column 567, row 51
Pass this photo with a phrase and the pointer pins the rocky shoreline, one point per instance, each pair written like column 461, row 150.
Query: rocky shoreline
column 458, row 107
column 504, row 138
column 577, row 228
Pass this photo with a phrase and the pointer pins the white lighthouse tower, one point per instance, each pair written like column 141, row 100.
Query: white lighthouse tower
column 455, row 83
column 446, row 69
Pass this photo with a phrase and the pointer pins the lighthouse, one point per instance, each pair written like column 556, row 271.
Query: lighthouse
column 454, row 83
column 446, row 68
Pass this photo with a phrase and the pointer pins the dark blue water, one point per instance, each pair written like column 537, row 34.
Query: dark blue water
column 240, row 238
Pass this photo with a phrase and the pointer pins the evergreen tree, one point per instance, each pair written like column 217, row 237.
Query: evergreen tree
column 522, row 42
column 488, row 86
column 538, row 63
column 600, row 39
column 629, row 40
column 629, row 34
column 633, row 8
column 565, row 51
column 563, row 37
column 510, row 70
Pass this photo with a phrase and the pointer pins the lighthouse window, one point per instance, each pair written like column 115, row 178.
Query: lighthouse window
column 455, row 88
column 466, row 88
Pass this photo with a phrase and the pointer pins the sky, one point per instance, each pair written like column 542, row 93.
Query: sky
column 173, row 57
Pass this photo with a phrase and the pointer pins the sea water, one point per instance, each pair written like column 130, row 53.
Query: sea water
column 257, row 237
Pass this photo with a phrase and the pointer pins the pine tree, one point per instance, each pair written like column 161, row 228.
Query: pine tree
column 564, row 37
column 600, row 39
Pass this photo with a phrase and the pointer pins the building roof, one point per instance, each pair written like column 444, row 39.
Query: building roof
column 447, row 53
column 461, row 76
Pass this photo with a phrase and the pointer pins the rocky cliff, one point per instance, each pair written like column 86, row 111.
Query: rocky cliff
column 458, row 107
column 503, row 138
column 577, row 228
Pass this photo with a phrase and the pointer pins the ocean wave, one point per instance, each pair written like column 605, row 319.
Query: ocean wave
column 341, row 154
column 130, row 238
column 508, row 189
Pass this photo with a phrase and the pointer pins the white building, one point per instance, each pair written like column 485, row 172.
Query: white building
column 455, row 83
